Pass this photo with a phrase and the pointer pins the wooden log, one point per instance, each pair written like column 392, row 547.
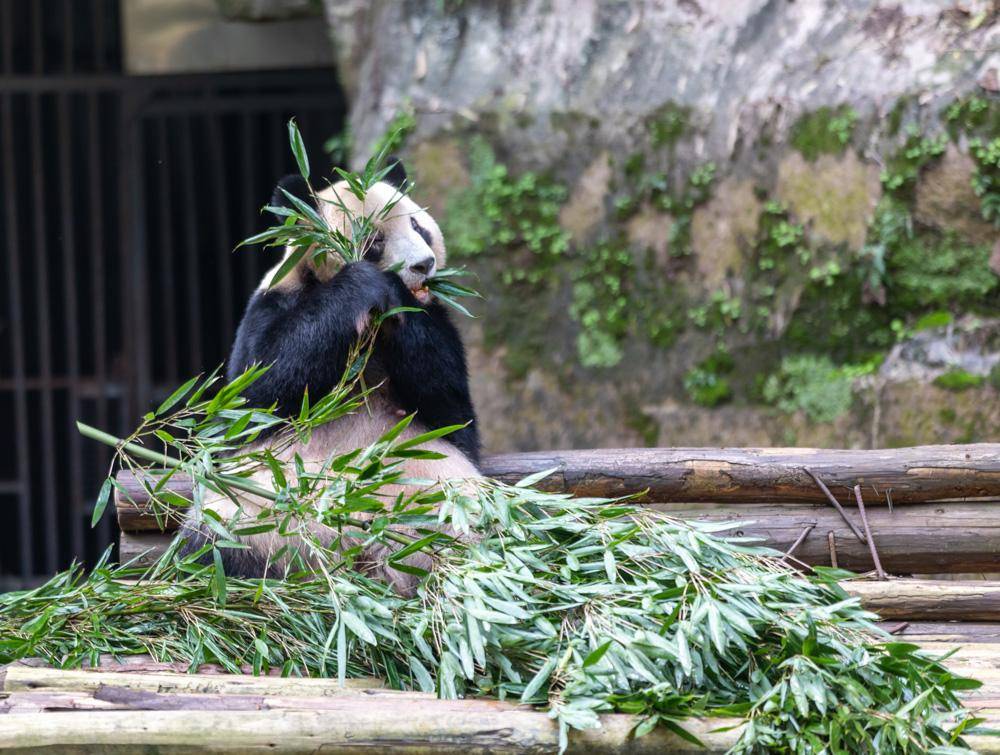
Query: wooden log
column 931, row 600
column 721, row 475
column 920, row 538
column 962, row 632
column 359, row 726
column 18, row 677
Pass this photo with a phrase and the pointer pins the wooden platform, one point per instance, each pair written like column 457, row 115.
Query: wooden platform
column 932, row 509
column 146, row 707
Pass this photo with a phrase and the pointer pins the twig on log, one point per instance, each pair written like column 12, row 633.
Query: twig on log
column 798, row 541
column 836, row 505
column 879, row 571
column 898, row 628
column 832, row 540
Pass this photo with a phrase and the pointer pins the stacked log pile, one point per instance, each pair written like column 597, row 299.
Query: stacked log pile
column 930, row 509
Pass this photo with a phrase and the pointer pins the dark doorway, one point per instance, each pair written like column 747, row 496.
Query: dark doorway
column 122, row 199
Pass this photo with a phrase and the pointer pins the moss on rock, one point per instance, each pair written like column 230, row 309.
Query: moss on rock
column 836, row 195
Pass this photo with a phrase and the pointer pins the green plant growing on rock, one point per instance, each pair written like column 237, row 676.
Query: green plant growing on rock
column 931, row 271
column 815, row 386
column 697, row 191
column 403, row 123
column 507, row 215
column 824, row 131
column 719, row 312
column 899, row 177
column 601, row 303
column 668, row 125
column 958, row 380
column 986, row 180
column 707, row 383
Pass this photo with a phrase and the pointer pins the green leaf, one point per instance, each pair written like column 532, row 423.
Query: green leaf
column 595, row 655
column 538, row 680
column 102, row 502
column 219, row 578
column 537, row 477
column 287, row 266
column 358, row 627
column 298, row 148
column 176, row 396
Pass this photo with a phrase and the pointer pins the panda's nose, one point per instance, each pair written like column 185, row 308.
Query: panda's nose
column 425, row 267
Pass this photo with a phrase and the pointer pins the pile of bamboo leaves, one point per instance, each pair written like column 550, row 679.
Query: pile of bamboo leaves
column 581, row 605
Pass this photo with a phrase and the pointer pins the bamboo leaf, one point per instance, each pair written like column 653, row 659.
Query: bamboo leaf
column 298, row 148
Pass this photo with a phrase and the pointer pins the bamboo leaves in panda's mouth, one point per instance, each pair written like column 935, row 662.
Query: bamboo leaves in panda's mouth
column 304, row 230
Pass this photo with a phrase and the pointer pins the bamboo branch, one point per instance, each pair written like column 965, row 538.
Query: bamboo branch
column 836, row 505
column 879, row 571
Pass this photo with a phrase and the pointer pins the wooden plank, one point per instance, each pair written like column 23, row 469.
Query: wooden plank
column 736, row 475
column 915, row 539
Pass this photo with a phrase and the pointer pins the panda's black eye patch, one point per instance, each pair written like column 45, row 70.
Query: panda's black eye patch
column 424, row 233
column 376, row 248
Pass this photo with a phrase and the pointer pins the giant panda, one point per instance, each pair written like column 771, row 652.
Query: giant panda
column 304, row 327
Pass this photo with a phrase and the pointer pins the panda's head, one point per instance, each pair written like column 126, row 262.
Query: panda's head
column 405, row 239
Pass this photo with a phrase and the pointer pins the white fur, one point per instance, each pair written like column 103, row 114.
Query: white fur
column 403, row 244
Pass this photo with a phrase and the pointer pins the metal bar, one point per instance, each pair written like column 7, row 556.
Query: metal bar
column 72, row 335
column 6, row 39
column 10, row 487
column 89, row 387
column 37, row 47
column 194, row 316
column 179, row 85
column 133, row 244
column 256, row 103
column 166, row 256
column 68, row 41
column 97, row 18
column 224, row 245
column 14, row 283
column 97, row 276
column 40, row 234
column 248, row 200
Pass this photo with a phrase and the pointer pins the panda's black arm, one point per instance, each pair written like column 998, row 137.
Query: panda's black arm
column 306, row 335
column 425, row 361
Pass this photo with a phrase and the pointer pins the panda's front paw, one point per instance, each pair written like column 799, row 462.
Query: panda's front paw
column 368, row 287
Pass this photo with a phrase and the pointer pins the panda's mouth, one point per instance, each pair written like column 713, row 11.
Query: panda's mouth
column 422, row 294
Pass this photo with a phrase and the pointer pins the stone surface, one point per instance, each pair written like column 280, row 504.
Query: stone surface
column 835, row 195
column 945, row 199
column 585, row 208
column 723, row 231
column 572, row 89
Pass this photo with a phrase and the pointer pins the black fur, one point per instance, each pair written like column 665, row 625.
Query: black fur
column 306, row 336
column 295, row 185
column 397, row 173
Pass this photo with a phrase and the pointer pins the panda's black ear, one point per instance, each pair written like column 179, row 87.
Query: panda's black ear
column 295, row 185
column 397, row 173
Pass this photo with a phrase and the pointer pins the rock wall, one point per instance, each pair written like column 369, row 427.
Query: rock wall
column 705, row 223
